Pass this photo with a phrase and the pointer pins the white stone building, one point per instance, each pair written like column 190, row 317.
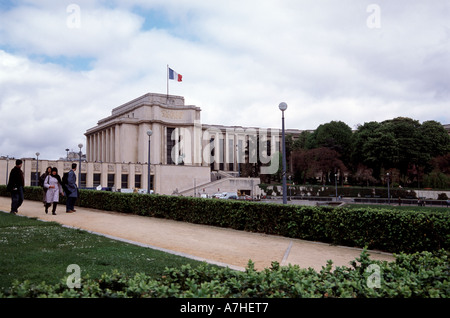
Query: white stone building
column 186, row 157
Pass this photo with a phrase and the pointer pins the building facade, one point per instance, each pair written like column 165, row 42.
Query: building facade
column 184, row 156
column 181, row 156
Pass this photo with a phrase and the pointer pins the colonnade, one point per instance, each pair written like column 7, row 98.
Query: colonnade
column 104, row 146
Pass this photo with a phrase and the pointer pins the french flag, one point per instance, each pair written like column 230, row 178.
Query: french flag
column 175, row 76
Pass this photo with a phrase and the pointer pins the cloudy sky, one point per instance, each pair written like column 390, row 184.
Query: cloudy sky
column 65, row 64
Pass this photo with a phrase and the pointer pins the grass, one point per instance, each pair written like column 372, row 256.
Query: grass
column 400, row 208
column 41, row 251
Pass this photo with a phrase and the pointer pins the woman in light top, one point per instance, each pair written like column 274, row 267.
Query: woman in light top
column 54, row 188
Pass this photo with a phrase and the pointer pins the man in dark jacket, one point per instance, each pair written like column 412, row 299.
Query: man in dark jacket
column 15, row 186
column 72, row 189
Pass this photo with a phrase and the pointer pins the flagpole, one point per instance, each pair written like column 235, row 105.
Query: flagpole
column 167, row 79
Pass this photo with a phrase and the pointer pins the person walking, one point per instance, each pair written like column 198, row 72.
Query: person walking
column 41, row 183
column 53, row 184
column 15, row 186
column 72, row 189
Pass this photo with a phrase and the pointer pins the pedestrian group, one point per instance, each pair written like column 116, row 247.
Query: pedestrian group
column 52, row 184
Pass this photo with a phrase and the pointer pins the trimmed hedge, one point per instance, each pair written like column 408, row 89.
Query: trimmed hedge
column 419, row 275
column 383, row 229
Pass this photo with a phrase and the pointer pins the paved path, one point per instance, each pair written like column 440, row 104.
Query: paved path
column 212, row 244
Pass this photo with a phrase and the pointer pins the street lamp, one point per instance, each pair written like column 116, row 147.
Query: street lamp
column 37, row 168
column 283, row 106
column 79, row 168
column 149, row 133
column 290, row 189
column 67, row 152
column 335, row 184
column 7, row 167
column 389, row 195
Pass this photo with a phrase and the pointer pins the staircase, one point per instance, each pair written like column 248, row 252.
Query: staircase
column 222, row 181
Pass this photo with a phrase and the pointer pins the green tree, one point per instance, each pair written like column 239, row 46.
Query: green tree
column 302, row 141
column 435, row 141
column 381, row 151
column 408, row 141
column 360, row 138
column 335, row 135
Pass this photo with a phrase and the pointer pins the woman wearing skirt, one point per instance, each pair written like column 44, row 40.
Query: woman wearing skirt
column 54, row 188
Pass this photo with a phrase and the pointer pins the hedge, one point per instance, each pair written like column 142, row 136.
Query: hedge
column 418, row 275
column 382, row 229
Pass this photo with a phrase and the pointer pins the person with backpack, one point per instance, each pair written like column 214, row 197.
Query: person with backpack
column 72, row 189
column 53, row 184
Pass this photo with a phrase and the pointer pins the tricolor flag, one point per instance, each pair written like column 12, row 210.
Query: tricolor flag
column 175, row 76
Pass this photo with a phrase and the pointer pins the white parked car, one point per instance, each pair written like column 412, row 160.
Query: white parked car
column 229, row 195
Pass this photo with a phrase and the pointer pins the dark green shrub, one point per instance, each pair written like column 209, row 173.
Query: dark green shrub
column 418, row 275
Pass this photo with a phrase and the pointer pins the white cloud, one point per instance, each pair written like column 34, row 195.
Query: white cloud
column 238, row 61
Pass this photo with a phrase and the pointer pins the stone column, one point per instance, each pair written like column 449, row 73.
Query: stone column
column 111, row 145
column 107, row 159
column 103, row 146
column 117, row 144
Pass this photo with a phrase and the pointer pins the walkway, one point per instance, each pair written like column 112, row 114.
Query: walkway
column 214, row 245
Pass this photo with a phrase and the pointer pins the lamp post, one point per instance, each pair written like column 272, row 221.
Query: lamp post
column 290, row 189
column 67, row 154
column 7, row 167
column 335, row 184
column 389, row 195
column 79, row 168
column 149, row 133
column 37, row 168
column 283, row 106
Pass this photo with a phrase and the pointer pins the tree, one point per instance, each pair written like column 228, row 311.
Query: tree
column 335, row 135
column 319, row 162
column 400, row 143
column 408, row 141
column 360, row 138
column 380, row 151
column 364, row 175
column 302, row 141
column 435, row 142
column 442, row 163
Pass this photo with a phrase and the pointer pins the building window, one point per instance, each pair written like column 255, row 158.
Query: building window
column 97, row 179
column 170, row 144
column 111, row 180
column 221, row 154
column 212, row 154
column 240, row 152
column 230, row 155
column 83, row 180
column 269, row 148
column 34, row 183
column 137, row 181
column 124, row 183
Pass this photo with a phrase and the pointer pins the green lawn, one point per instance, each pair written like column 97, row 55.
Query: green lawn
column 400, row 208
column 41, row 251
